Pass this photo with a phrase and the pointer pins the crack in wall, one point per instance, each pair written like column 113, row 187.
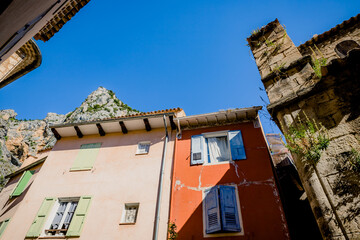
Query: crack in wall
column 270, row 182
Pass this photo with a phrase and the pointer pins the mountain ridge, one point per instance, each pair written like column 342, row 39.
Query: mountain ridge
column 20, row 139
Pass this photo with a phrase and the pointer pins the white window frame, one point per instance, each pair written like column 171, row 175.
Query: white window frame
column 206, row 152
column 145, row 143
column 52, row 214
column 123, row 217
column 222, row 234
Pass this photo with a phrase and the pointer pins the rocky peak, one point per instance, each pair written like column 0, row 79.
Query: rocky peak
column 20, row 139
column 100, row 104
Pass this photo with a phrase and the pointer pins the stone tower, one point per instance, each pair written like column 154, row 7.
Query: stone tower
column 319, row 80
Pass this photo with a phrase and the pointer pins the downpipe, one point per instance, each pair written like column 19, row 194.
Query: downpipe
column 159, row 194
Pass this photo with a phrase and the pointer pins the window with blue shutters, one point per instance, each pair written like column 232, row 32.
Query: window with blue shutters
column 221, row 211
column 216, row 147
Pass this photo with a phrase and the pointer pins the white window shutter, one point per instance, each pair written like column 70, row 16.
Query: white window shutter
column 197, row 150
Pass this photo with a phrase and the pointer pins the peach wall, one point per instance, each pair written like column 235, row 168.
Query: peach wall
column 10, row 206
column 261, row 209
column 33, row 159
column 118, row 177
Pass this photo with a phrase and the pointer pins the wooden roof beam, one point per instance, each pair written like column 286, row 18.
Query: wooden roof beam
column 123, row 127
column 56, row 134
column 147, row 124
column 78, row 132
column 101, row 130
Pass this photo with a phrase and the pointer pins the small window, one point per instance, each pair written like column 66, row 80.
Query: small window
column 221, row 212
column 130, row 213
column 60, row 223
column 143, row 148
column 344, row 47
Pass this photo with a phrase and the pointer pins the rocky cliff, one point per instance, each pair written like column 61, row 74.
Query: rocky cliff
column 20, row 139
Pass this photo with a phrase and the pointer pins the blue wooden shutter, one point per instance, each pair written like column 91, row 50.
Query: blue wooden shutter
column 236, row 145
column 212, row 211
column 229, row 212
column 197, row 149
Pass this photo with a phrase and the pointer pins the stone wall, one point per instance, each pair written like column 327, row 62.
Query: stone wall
column 9, row 65
column 332, row 185
column 327, row 45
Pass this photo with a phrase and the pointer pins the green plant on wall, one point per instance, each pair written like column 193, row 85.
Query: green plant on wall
column 172, row 234
column 307, row 139
column 278, row 68
column 318, row 61
column 355, row 160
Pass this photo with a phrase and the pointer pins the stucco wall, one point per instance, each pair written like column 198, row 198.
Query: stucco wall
column 10, row 206
column 118, row 177
column 261, row 209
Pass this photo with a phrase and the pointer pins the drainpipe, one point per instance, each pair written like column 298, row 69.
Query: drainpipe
column 158, row 200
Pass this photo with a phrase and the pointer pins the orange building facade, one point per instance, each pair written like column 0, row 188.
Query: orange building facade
column 223, row 184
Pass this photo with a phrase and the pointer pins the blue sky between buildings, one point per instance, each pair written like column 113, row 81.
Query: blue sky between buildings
column 164, row 54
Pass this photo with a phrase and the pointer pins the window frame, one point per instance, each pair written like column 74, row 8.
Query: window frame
column 123, row 215
column 199, row 145
column 206, row 135
column 222, row 234
column 142, row 153
column 53, row 212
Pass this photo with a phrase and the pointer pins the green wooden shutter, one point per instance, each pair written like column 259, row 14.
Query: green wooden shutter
column 22, row 183
column 78, row 219
column 86, row 157
column 38, row 223
column 3, row 225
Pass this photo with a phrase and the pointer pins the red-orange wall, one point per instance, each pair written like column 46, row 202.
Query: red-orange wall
column 261, row 209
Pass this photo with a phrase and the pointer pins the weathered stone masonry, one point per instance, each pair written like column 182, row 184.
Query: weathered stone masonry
column 293, row 88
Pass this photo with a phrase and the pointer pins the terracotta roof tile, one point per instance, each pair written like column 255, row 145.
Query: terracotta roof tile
column 333, row 31
column 171, row 110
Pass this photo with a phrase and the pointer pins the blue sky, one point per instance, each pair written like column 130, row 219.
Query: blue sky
column 164, row 54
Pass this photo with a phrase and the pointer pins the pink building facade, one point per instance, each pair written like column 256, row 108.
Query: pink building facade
column 102, row 180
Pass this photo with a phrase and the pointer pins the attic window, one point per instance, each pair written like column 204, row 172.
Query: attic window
column 342, row 49
column 143, row 148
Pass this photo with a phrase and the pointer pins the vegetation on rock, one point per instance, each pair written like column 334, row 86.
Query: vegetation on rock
column 21, row 138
